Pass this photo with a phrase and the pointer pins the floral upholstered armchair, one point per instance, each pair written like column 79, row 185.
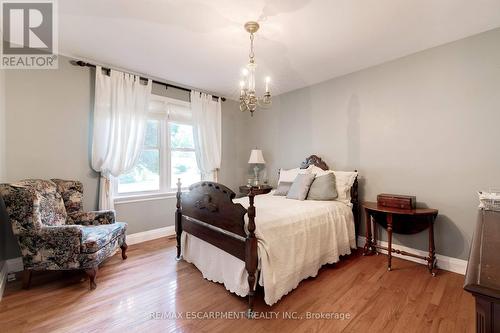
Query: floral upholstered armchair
column 54, row 233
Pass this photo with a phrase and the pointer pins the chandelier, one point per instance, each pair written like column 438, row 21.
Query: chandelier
column 248, row 97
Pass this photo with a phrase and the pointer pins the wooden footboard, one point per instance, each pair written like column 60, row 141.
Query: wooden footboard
column 208, row 212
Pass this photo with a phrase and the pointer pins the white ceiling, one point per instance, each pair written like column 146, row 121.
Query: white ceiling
column 301, row 42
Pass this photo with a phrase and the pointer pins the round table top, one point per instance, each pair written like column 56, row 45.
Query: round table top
column 373, row 206
column 261, row 189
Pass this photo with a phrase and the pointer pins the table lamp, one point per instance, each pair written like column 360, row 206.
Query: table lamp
column 256, row 158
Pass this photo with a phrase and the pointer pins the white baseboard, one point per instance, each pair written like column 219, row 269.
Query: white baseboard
column 443, row 262
column 3, row 278
column 16, row 264
column 150, row 235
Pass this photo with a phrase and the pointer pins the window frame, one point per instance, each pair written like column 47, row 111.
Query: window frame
column 161, row 112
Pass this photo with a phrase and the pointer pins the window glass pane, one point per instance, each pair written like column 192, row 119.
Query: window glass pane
column 184, row 166
column 152, row 133
column 181, row 136
column 145, row 176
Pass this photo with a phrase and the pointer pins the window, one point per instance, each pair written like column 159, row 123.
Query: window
column 168, row 152
column 145, row 176
column 183, row 156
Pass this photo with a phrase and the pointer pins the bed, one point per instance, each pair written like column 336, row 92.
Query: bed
column 229, row 244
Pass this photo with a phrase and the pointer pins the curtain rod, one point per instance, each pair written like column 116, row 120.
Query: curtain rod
column 86, row 64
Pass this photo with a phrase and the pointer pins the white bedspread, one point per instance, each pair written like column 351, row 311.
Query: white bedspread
column 295, row 238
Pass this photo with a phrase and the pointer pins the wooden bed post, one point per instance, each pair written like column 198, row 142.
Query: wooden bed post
column 178, row 220
column 355, row 205
column 251, row 253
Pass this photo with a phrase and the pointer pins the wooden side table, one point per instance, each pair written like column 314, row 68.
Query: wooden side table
column 403, row 221
column 256, row 190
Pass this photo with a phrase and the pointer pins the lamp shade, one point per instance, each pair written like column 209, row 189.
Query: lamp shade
column 256, row 157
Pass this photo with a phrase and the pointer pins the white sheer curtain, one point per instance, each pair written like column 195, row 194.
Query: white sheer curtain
column 207, row 133
column 120, row 116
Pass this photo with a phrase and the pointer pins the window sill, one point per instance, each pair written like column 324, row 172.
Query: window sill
column 144, row 197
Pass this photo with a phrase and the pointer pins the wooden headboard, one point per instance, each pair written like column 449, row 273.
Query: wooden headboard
column 314, row 160
column 318, row 161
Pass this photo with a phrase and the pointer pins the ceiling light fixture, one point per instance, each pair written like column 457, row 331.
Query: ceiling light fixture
column 248, row 97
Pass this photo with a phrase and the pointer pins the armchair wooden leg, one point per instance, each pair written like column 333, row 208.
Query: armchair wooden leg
column 124, row 248
column 27, row 279
column 92, row 273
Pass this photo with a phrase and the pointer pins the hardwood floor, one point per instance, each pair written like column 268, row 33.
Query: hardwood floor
column 138, row 294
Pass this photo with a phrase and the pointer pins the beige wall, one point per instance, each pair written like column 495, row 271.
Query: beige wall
column 426, row 125
column 49, row 135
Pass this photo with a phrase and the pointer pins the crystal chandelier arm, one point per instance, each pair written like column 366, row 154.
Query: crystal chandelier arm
column 265, row 101
column 243, row 107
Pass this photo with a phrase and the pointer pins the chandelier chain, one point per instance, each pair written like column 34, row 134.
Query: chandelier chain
column 251, row 54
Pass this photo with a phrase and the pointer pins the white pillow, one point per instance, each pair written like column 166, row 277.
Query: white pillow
column 344, row 181
column 288, row 176
column 318, row 171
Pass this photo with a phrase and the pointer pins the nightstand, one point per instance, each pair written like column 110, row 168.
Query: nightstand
column 261, row 189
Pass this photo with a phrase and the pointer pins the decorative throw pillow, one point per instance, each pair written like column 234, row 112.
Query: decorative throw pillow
column 343, row 182
column 323, row 188
column 300, row 186
column 286, row 179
